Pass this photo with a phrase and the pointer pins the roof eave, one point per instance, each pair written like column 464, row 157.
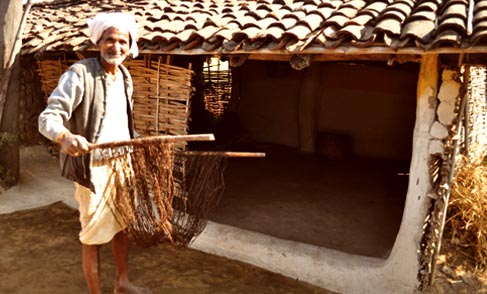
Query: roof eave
column 342, row 50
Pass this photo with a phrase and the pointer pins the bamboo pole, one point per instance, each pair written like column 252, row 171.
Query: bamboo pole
column 12, row 57
column 158, row 93
column 467, row 113
column 154, row 139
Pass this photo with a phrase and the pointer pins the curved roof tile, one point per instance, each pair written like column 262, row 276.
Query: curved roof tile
column 389, row 25
column 420, row 29
column 449, row 38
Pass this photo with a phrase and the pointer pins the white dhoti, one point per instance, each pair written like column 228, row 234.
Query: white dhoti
column 98, row 216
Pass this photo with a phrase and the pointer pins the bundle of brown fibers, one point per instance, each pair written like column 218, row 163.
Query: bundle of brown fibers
column 143, row 181
column 467, row 215
column 162, row 194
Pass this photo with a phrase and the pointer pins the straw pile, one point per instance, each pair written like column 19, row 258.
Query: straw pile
column 467, row 216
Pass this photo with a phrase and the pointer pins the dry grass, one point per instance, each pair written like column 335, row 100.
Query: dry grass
column 467, row 215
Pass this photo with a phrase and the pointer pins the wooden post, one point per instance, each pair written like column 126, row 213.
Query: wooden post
column 10, row 17
column 307, row 114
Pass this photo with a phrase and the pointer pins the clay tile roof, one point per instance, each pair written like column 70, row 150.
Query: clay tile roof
column 281, row 26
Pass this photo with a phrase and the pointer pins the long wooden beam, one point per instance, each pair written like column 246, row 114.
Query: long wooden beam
column 343, row 57
column 348, row 50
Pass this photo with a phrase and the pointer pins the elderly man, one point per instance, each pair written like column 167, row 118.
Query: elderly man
column 92, row 104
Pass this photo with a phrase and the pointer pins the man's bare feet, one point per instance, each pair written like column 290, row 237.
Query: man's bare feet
column 131, row 289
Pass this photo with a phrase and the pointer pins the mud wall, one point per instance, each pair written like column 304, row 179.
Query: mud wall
column 372, row 103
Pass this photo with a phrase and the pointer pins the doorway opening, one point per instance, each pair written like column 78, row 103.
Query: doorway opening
column 348, row 192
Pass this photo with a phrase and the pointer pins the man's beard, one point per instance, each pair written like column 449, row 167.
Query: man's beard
column 114, row 60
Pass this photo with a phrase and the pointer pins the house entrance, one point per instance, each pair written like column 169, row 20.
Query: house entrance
column 343, row 188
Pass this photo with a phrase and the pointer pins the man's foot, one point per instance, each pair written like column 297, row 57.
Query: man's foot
column 131, row 289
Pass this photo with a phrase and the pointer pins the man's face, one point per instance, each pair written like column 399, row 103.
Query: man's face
column 114, row 45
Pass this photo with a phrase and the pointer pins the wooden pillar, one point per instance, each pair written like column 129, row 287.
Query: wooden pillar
column 10, row 18
column 307, row 125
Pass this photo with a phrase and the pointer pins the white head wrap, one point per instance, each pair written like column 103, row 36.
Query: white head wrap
column 119, row 20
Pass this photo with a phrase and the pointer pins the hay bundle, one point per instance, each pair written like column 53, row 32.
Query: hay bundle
column 467, row 214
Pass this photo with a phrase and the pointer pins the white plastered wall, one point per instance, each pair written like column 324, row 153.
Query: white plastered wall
column 338, row 271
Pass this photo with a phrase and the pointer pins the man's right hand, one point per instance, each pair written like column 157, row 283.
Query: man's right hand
column 73, row 145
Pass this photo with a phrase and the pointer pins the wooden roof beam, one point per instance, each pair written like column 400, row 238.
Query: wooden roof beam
column 342, row 50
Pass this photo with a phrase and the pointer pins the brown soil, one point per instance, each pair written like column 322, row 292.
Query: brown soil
column 456, row 272
column 40, row 253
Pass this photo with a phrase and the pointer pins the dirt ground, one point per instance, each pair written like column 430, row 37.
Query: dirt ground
column 40, row 253
column 455, row 272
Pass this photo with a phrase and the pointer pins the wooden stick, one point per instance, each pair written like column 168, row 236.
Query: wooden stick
column 155, row 139
column 158, row 94
column 225, row 153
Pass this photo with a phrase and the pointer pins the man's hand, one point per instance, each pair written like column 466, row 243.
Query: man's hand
column 74, row 145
